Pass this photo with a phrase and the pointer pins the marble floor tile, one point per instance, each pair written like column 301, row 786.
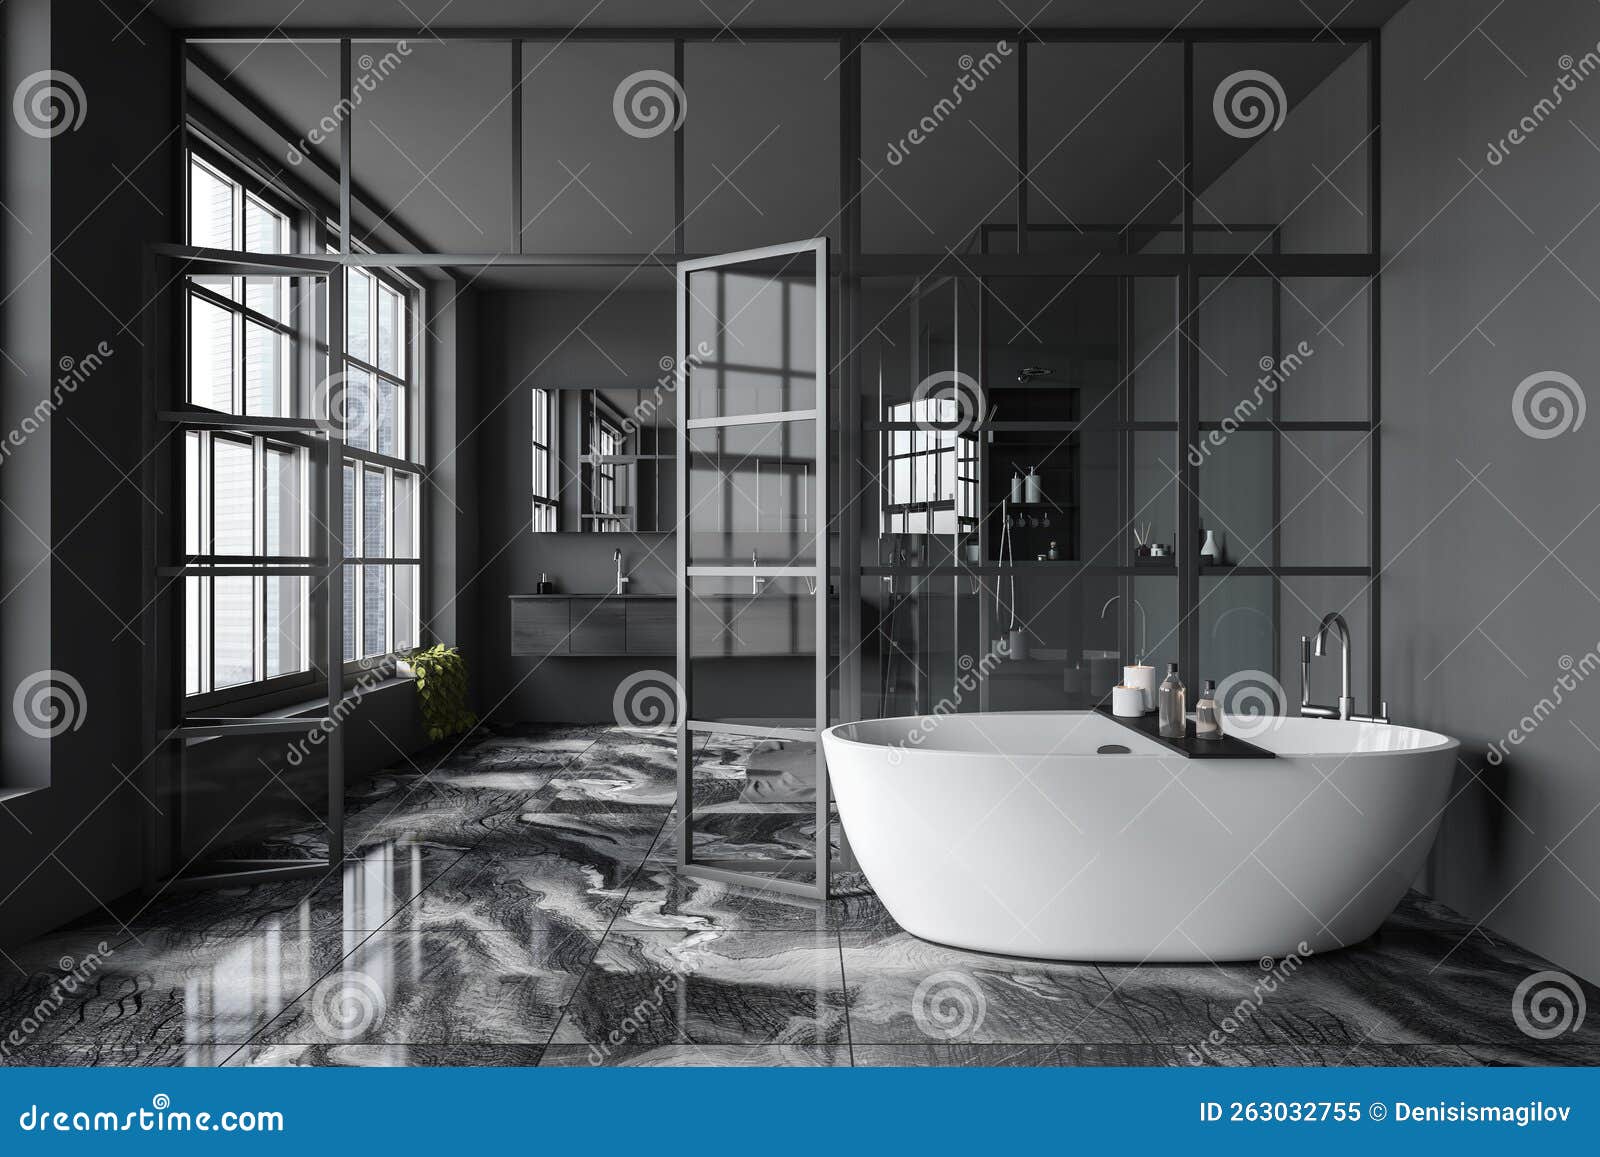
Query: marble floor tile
column 949, row 1056
column 1564, row 1053
column 386, row 1056
column 579, row 887
column 719, row 1056
column 709, row 988
column 436, row 987
column 1305, row 1056
column 120, row 1056
column 660, row 898
column 180, row 986
column 375, row 883
column 908, row 991
column 440, row 813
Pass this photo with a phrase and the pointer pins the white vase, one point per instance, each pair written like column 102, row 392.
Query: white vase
column 1210, row 549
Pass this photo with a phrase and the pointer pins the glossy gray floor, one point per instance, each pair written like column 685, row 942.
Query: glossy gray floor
column 511, row 902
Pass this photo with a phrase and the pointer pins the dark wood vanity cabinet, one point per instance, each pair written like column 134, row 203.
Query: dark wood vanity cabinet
column 593, row 625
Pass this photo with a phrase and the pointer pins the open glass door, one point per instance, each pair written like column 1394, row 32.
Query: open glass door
column 753, row 607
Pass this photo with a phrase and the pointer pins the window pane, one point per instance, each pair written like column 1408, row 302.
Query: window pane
column 389, row 330
column 356, row 399
column 232, row 497
column 348, row 538
column 405, row 601
column 263, row 228
column 283, row 502
column 285, row 627
column 194, row 636
column 359, row 307
column 404, row 541
column 374, row 610
column 266, row 364
column 350, row 580
column 386, row 416
column 374, row 527
column 235, row 631
column 192, row 491
column 210, row 208
column 210, row 355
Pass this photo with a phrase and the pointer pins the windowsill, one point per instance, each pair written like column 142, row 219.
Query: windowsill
column 310, row 706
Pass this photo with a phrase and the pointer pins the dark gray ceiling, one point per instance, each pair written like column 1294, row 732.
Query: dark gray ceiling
column 750, row 14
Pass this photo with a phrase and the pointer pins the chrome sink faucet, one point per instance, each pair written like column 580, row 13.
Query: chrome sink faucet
column 622, row 579
column 1347, row 703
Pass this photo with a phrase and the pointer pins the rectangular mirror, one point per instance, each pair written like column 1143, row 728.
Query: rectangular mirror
column 602, row 460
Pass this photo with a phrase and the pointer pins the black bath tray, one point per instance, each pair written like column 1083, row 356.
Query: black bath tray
column 1228, row 747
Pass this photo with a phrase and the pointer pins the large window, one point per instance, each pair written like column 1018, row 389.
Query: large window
column 245, row 494
column 248, row 496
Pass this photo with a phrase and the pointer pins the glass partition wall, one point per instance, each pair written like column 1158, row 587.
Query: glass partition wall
column 1099, row 374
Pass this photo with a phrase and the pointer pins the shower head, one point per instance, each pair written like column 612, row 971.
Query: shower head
column 1028, row 373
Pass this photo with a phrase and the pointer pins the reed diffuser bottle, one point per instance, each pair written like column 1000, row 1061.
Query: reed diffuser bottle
column 1172, row 718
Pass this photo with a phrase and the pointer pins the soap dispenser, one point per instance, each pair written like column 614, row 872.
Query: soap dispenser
column 1207, row 719
column 1172, row 718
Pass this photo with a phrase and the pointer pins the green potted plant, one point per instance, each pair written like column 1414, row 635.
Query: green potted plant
column 441, row 678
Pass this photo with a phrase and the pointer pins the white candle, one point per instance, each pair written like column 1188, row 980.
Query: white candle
column 1144, row 678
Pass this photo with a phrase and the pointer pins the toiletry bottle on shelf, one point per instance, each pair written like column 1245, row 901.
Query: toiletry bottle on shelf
column 1016, row 487
column 1207, row 719
column 1033, row 488
column 1172, row 717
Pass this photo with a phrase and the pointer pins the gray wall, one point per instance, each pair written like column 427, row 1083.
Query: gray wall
column 556, row 340
column 1477, row 611
column 96, row 196
column 80, row 838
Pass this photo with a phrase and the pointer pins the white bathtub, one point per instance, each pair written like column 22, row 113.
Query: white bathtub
column 1009, row 833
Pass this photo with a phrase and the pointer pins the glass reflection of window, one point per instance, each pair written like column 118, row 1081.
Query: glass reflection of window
column 930, row 474
column 544, row 490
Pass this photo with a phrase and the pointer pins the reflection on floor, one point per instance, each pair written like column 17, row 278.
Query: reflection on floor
column 515, row 905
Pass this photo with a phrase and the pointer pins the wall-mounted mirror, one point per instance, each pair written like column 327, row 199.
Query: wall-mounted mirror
column 602, row 460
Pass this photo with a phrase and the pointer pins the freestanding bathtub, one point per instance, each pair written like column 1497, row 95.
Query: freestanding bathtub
column 1010, row 833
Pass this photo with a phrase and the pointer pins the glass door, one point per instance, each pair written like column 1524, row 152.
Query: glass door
column 753, row 619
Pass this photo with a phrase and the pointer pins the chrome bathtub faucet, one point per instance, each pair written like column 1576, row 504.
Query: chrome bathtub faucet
column 1347, row 703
